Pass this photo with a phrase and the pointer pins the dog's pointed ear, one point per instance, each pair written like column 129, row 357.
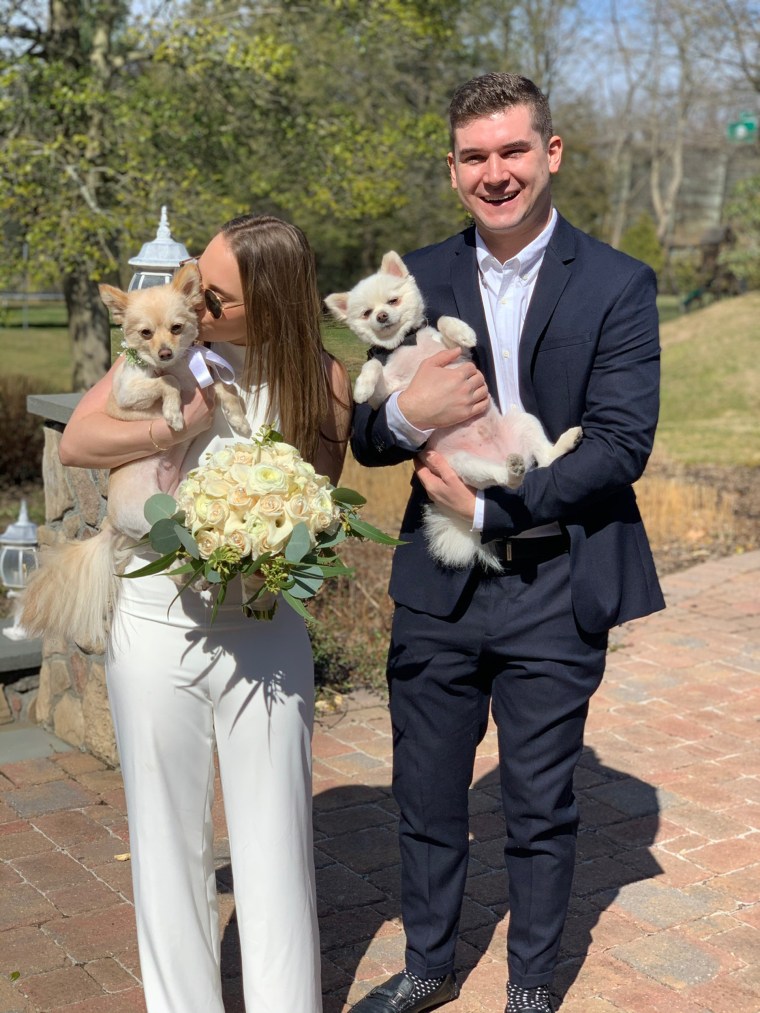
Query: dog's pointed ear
column 115, row 300
column 187, row 280
column 393, row 264
column 337, row 303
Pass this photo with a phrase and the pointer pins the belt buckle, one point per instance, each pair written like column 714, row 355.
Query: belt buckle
column 508, row 550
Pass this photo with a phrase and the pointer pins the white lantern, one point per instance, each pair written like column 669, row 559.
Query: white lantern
column 158, row 260
column 19, row 555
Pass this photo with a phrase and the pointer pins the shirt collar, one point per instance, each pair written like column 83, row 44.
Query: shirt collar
column 525, row 265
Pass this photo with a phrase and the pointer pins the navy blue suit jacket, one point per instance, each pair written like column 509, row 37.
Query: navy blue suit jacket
column 589, row 356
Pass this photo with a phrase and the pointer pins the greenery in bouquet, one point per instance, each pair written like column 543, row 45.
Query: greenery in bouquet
column 258, row 512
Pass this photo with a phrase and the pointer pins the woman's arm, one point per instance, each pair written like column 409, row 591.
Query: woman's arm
column 337, row 425
column 93, row 439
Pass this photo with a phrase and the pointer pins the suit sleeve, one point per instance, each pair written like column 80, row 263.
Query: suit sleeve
column 619, row 418
column 373, row 442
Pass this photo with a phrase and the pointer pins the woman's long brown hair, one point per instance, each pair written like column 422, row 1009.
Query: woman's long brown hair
column 283, row 311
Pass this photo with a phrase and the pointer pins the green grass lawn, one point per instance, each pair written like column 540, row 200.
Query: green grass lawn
column 710, row 368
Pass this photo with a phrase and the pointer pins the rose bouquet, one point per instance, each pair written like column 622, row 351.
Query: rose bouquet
column 255, row 511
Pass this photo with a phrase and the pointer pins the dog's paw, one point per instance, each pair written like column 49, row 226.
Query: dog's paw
column 456, row 333
column 367, row 380
column 174, row 419
column 568, row 440
column 515, row 470
column 239, row 423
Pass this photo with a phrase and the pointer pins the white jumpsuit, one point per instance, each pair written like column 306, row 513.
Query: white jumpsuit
column 178, row 686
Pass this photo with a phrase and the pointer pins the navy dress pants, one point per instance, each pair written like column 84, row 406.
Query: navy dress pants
column 514, row 644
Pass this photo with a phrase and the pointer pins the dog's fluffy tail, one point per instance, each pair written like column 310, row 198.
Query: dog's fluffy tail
column 74, row 591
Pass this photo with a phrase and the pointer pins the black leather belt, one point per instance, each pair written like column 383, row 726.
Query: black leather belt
column 530, row 550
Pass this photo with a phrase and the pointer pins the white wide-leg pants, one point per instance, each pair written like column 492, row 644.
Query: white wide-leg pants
column 177, row 686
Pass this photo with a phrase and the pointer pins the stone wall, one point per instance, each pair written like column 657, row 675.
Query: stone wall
column 72, row 700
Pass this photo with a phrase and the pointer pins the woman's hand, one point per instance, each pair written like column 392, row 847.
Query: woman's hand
column 94, row 439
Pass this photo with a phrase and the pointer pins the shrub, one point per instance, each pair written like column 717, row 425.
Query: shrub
column 640, row 240
column 23, row 437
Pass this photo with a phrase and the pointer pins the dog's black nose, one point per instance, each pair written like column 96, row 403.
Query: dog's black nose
column 165, row 353
column 381, row 317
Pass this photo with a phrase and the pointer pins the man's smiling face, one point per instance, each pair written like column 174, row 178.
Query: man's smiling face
column 502, row 172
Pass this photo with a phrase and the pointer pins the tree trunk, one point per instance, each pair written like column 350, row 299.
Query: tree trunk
column 89, row 330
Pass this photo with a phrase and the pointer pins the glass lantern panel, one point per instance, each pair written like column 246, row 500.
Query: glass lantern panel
column 148, row 279
column 15, row 565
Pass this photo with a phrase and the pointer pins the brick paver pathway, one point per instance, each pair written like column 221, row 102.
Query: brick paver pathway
column 665, row 915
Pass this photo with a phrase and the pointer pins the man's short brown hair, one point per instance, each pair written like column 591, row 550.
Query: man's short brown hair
column 495, row 92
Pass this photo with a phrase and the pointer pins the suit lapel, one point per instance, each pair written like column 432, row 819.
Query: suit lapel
column 465, row 284
column 553, row 276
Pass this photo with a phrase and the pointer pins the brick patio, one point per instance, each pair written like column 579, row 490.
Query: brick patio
column 666, row 907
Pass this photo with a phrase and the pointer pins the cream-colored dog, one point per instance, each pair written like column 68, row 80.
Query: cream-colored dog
column 387, row 311
column 73, row 592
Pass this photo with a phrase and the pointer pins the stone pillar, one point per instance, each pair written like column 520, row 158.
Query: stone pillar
column 72, row 701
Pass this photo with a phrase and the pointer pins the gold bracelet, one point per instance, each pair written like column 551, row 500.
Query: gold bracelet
column 150, row 437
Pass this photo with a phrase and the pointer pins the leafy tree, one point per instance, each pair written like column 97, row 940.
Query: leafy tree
column 743, row 213
column 640, row 240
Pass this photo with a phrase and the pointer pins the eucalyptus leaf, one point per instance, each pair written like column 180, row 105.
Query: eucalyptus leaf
column 157, row 566
column 373, row 534
column 189, row 543
column 296, row 605
column 299, row 543
column 163, row 536
column 325, row 541
column 348, row 496
column 159, row 506
column 307, row 580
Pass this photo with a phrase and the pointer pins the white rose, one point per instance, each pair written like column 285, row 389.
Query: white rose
column 266, row 478
column 297, row 508
column 240, row 540
column 207, row 540
column 270, row 505
column 201, row 506
column 222, row 459
column 217, row 513
column 239, row 498
column 245, row 454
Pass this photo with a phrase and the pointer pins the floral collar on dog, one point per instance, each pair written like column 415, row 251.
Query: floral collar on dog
column 132, row 356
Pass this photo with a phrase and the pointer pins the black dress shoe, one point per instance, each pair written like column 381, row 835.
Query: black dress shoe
column 395, row 996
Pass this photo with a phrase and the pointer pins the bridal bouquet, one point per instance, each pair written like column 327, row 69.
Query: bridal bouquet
column 259, row 512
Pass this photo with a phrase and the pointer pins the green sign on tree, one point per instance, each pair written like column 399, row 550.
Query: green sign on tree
column 743, row 129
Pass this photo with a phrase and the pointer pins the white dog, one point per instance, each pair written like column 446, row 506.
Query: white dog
column 75, row 588
column 387, row 312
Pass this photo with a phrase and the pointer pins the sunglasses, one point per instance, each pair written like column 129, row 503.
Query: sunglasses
column 214, row 304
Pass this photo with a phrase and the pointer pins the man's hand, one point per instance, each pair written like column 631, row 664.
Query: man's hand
column 442, row 395
column 443, row 485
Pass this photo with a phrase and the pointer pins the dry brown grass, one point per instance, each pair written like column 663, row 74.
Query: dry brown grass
column 679, row 510
column 675, row 507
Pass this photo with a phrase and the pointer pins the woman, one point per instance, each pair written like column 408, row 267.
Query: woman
column 178, row 685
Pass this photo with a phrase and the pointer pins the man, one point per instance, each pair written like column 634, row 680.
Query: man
column 567, row 330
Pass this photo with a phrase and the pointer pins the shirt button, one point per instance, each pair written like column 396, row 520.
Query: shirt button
column 505, row 354
column 503, row 302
